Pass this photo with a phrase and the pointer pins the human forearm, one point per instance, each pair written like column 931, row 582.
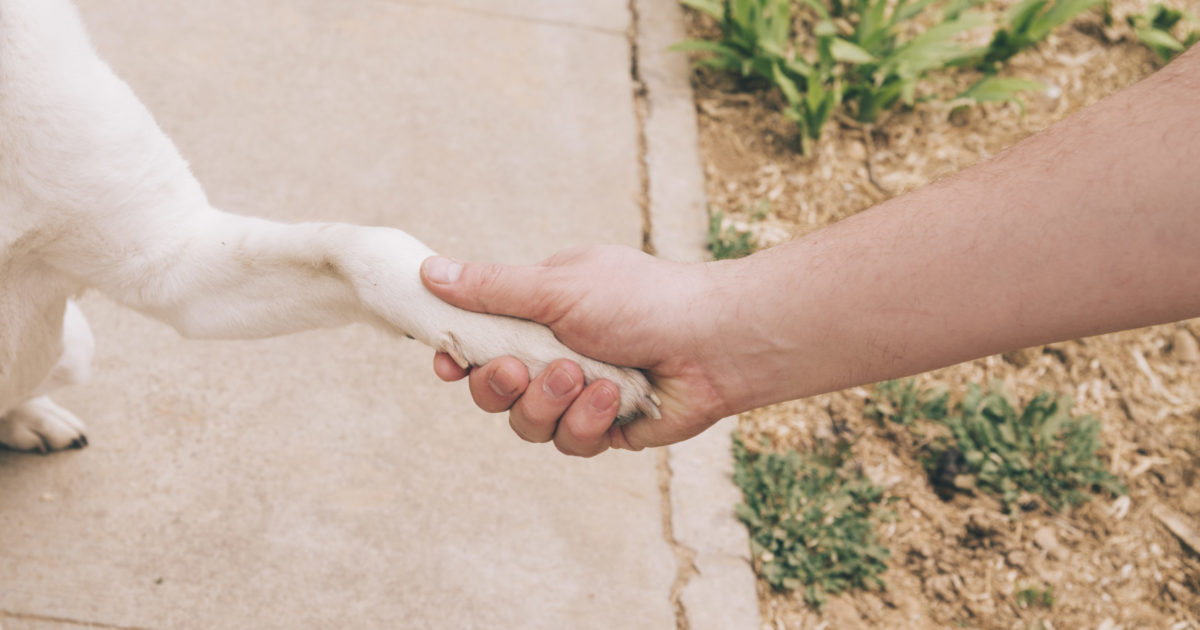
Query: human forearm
column 1090, row 227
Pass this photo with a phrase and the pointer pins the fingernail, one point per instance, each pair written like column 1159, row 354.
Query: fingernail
column 603, row 399
column 558, row 383
column 502, row 383
column 442, row 270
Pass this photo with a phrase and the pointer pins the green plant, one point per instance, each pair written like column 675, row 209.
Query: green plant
column 883, row 67
column 868, row 55
column 756, row 40
column 903, row 401
column 811, row 519
column 1025, row 25
column 1042, row 449
column 725, row 242
column 992, row 89
column 1154, row 27
column 755, row 36
column 1035, row 595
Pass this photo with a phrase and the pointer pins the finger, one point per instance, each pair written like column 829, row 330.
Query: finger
column 649, row 433
column 497, row 385
column 583, row 430
column 535, row 416
column 512, row 290
column 446, row 368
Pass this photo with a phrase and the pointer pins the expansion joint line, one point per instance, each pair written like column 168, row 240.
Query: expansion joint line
column 8, row 614
column 684, row 556
column 641, row 110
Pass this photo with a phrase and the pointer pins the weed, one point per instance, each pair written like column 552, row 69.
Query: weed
column 904, row 402
column 725, row 242
column 1042, row 596
column 811, row 519
column 1041, row 449
column 1154, row 27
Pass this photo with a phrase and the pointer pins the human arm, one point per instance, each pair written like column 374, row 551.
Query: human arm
column 1089, row 227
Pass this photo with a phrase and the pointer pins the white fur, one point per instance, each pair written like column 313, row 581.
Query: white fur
column 94, row 195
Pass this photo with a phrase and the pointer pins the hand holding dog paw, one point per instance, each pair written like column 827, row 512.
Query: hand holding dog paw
column 613, row 304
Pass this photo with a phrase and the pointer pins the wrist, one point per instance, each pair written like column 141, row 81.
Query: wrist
column 746, row 331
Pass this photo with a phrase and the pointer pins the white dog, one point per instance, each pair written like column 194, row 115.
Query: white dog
column 93, row 194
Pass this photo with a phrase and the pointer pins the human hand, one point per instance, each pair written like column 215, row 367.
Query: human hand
column 613, row 304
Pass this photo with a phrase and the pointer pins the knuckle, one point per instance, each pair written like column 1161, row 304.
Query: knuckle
column 524, row 430
column 571, row 450
column 486, row 281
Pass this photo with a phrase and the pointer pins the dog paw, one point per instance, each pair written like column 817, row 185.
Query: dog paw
column 638, row 399
column 536, row 347
column 41, row 425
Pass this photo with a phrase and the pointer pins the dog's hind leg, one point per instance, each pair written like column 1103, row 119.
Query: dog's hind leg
column 39, row 424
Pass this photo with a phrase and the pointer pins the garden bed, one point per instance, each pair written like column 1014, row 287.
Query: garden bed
column 1113, row 562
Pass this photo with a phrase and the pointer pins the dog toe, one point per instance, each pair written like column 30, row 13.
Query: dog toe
column 41, row 426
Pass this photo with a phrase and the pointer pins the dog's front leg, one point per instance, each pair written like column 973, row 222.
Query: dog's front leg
column 238, row 277
column 223, row 276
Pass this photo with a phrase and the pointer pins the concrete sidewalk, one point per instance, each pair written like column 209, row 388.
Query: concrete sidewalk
column 328, row 479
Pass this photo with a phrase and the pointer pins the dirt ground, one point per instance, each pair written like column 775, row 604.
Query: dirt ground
column 1112, row 563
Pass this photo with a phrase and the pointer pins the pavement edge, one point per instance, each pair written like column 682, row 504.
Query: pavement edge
column 715, row 585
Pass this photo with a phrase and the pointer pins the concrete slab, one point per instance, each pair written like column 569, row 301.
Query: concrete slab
column 675, row 177
column 327, row 479
column 610, row 16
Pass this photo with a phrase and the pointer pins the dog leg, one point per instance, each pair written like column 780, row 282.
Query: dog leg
column 39, row 424
column 74, row 366
column 229, row 276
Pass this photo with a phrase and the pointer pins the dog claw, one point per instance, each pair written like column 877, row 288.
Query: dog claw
column 451, row 347
column 649, row 407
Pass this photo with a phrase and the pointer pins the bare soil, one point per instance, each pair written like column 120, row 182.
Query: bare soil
column 1112, row 563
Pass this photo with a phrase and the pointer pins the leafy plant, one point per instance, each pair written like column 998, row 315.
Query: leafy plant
column 1041, row 449
column 993, row 89
column 811, row 519
column 755, row 36
column 756, row 40
column 1034, row 595
column 725, row 242
column 1026, row 24
column 882, row 67
column 904, row 401
column 862, row 55
column 1154, row 27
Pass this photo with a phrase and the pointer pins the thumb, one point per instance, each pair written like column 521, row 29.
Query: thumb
column 512, row 290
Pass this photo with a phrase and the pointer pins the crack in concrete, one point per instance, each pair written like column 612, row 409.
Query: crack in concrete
column 641, row 109
column 685, row 567
column 8, row 614
column 509, row 16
